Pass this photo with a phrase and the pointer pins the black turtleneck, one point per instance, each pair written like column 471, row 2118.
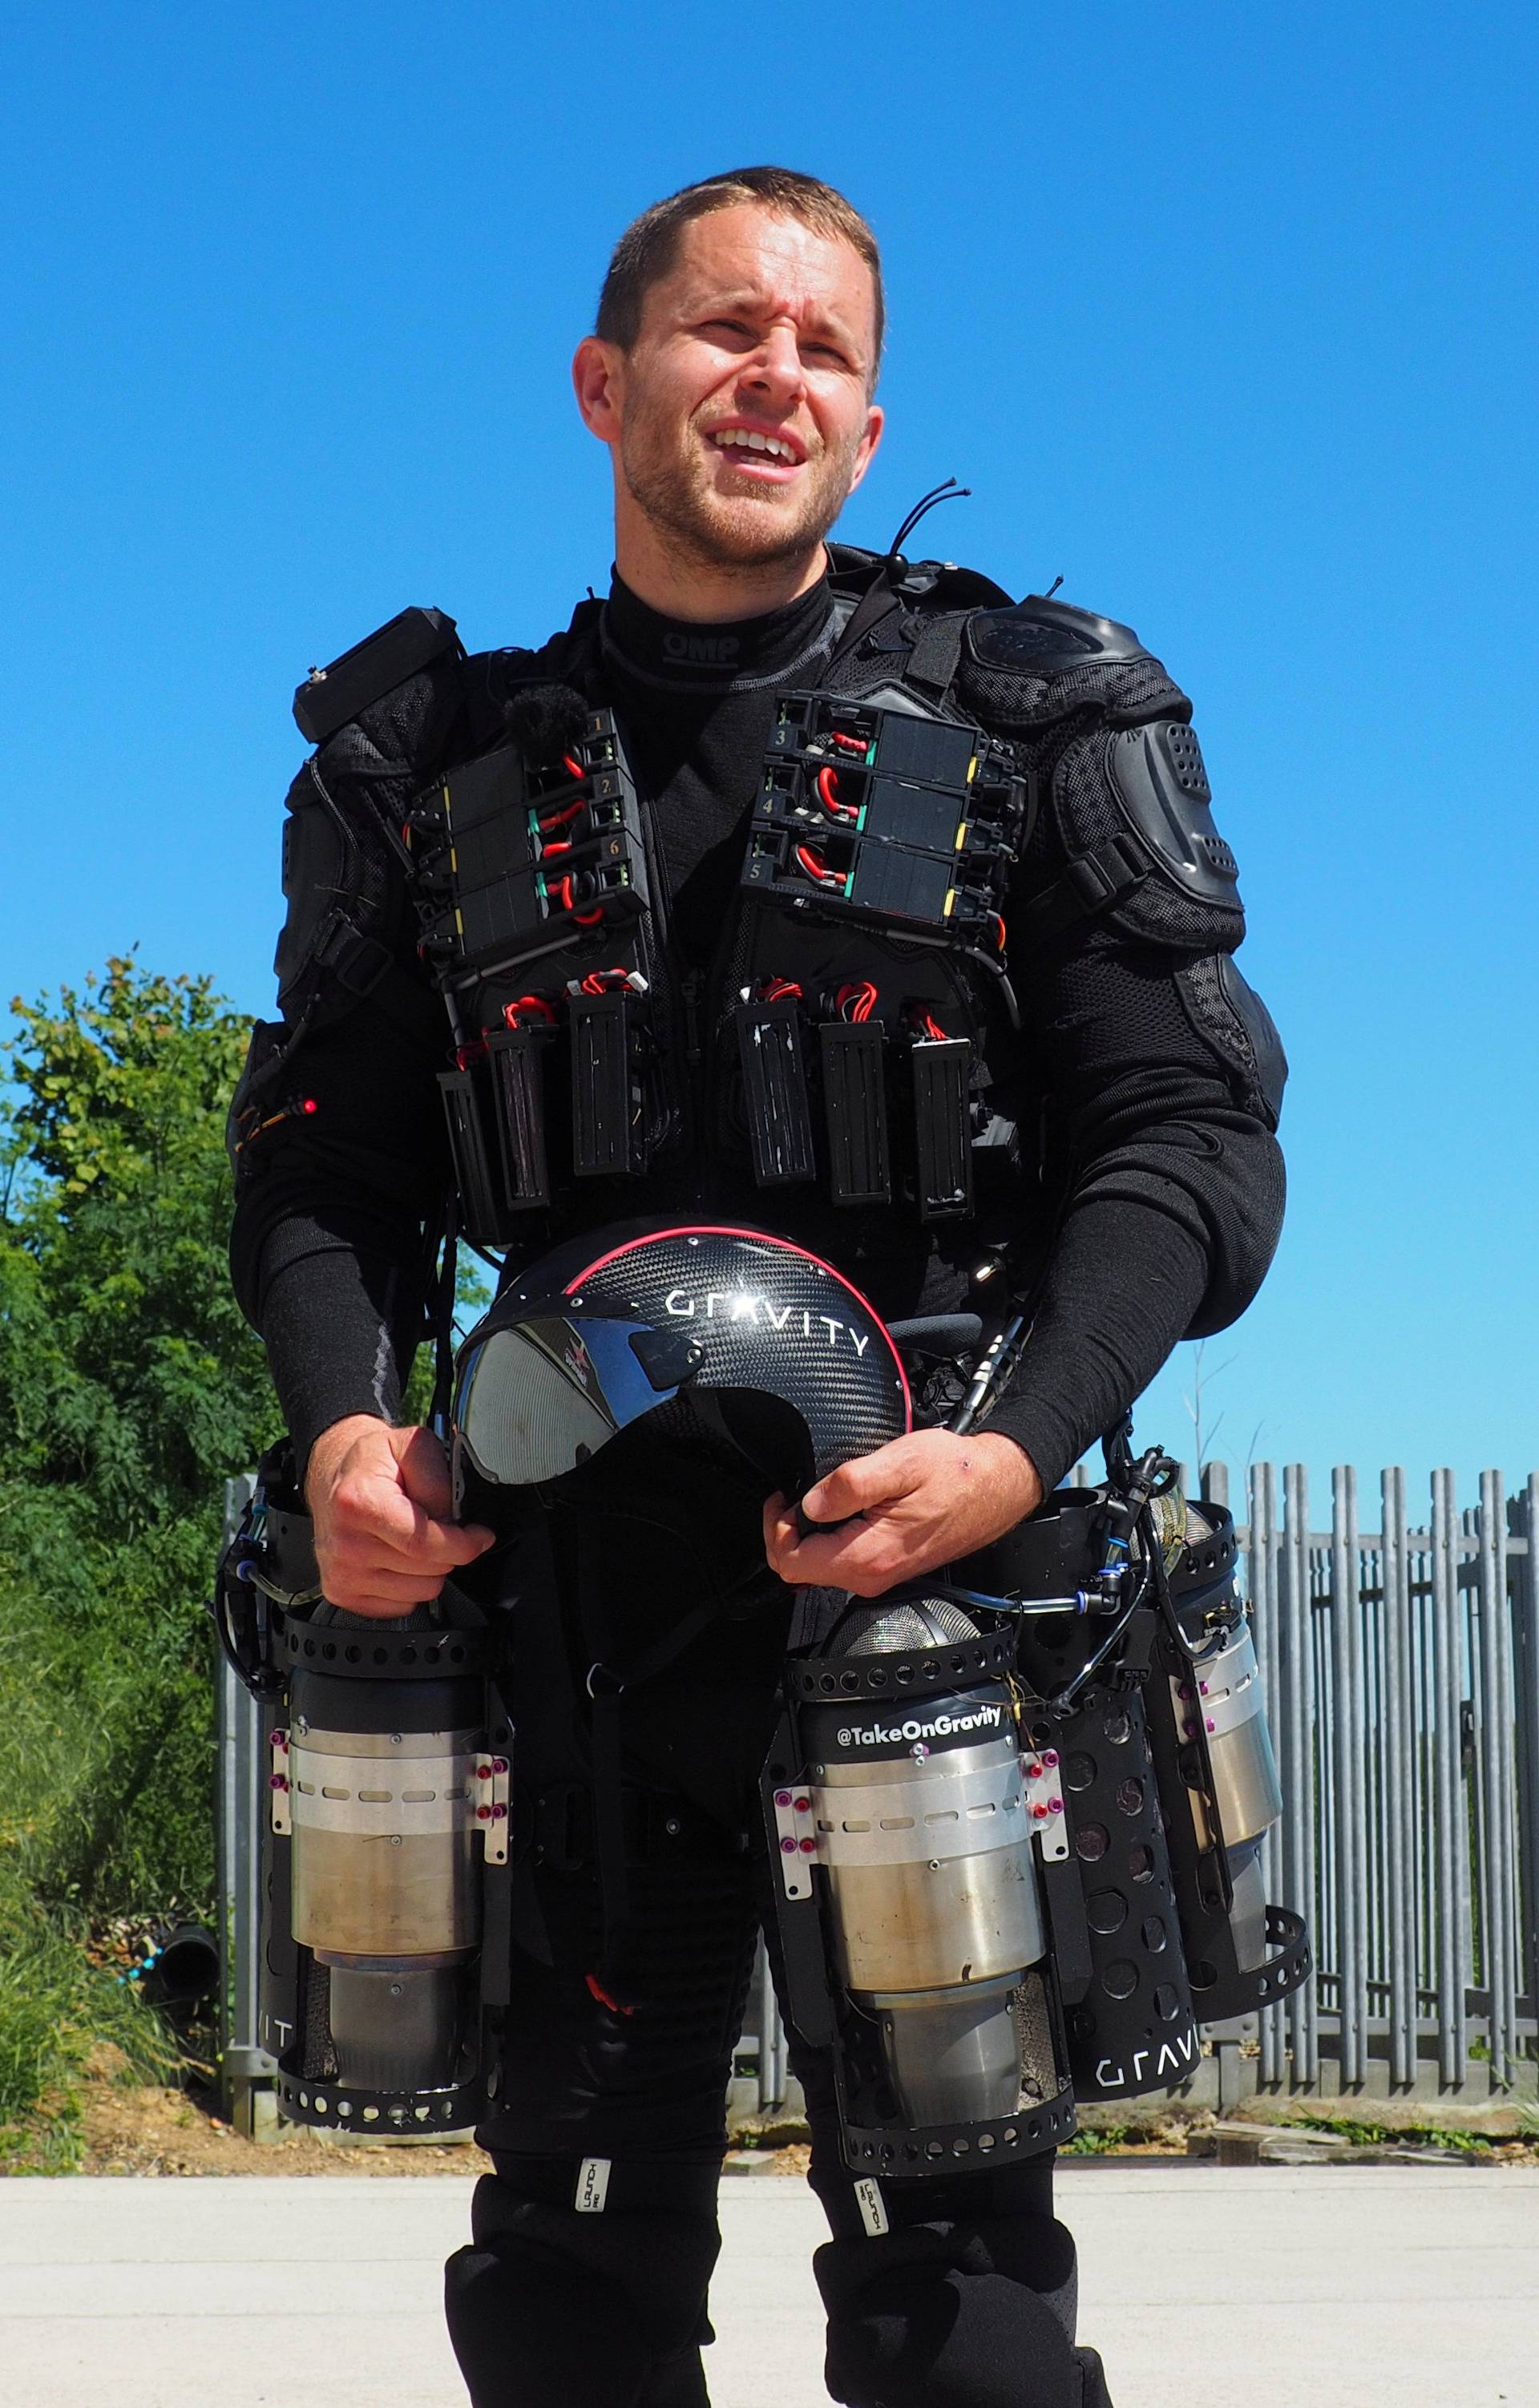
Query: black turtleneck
column 696, row 704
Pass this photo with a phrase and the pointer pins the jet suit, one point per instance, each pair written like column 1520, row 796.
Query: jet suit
column 1127, row 1182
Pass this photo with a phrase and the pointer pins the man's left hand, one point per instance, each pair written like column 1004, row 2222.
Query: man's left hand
column 919, row 1502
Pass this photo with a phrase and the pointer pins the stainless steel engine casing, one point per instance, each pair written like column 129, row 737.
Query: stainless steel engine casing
column 932, row 1882
column 386, row 1854
column 1224, row 1689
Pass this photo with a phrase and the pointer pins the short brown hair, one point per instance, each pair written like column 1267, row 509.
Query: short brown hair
column 648, row 248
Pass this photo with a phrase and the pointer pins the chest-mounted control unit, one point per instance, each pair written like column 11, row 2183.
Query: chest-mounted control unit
column 535, row 894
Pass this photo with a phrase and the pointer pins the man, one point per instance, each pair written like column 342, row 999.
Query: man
column 1129, row 1186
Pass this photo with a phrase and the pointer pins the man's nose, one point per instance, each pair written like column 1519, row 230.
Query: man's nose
column 775, row 371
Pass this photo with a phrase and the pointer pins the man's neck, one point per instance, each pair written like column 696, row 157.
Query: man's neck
column 678, row 586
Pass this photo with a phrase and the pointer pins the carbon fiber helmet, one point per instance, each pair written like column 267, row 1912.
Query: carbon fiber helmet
column 715, row 1338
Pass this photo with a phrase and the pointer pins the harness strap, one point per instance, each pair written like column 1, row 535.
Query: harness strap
column 1092, row 883
column 931, row 665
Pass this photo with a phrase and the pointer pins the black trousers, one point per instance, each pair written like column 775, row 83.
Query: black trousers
column 586, row 2281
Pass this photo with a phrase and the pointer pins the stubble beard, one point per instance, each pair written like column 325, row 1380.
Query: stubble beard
column 667, row 480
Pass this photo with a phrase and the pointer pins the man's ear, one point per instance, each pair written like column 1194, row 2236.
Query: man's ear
column 598, row 373
column 875, row 420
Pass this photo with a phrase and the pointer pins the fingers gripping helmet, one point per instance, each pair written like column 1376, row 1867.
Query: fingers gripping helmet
column 698, row 1339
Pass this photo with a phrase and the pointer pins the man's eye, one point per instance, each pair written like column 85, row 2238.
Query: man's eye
column 724, row 326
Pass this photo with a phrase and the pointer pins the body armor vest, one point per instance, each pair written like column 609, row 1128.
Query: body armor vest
column 855, row 1034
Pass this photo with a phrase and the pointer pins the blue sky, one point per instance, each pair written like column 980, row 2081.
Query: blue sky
column 1227, row 317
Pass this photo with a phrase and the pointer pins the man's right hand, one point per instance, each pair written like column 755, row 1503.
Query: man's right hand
column 381, row 1498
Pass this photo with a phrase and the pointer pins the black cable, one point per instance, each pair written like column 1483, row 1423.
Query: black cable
column 950, row 491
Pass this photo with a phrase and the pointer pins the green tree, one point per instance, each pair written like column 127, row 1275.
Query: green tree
column 130, row 1387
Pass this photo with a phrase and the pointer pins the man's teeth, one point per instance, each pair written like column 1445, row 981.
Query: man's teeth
column 747, row 440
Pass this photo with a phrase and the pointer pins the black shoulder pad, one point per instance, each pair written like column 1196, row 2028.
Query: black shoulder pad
column 405, row 645
column 1228, row 1014
column 1041, row 638
column 934, row 584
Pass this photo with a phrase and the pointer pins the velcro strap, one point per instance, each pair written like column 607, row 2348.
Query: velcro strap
column 1091, row 883
column 937, row 650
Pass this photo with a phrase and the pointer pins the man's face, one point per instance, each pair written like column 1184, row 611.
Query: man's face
column 741, row 416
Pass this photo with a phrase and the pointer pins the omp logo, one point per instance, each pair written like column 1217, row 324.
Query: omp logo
column 578, row 1362
column 741, row 1304
column 939, row 1725
column 708, row 651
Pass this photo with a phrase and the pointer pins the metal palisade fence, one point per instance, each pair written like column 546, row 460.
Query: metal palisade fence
column 1401, row 1667
column 1402, row 1671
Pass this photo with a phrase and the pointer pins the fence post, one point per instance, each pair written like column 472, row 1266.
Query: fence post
column 1496, row 1772
column 1300, row 1852
column 1526, row 1716
column 1453, row 1837
column 237, row 1807
column 1349, row 1800
column 1262, row 1582
column 1398, row 1762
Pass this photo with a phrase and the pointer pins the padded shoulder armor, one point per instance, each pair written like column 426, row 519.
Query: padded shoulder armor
column 366, row 673
column 1164, row 788
column 1040, row 639
column 935, row 584
column 1038, row 662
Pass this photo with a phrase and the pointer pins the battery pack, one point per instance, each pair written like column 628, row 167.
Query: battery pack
column 516, row 1060
column 774, row 1084
column 608, row 1140
column 473, row 1146
column 854, row 1105
column 943, row 1126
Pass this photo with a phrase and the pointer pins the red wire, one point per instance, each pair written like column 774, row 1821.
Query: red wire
column 558, row 819
column 512, row 1011
column 851, row 743
column 933, row 1028
column 864, row 998
column 816, row 868
column 997, row 919
column 574, row 768
column 776, row 987
column 827, row 787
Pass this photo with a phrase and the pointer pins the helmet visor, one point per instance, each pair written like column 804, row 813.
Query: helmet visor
column 539, row 1396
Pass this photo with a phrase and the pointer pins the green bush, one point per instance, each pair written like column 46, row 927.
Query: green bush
column 130, row 1388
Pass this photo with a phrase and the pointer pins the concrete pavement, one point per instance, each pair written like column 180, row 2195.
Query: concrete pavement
column 1203, row 2287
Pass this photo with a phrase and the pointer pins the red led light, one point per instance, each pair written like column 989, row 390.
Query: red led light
column 483, row 1814
column 804, row 1805
column 809, row 1846
column 310, row 1105
column 1039, row 1811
